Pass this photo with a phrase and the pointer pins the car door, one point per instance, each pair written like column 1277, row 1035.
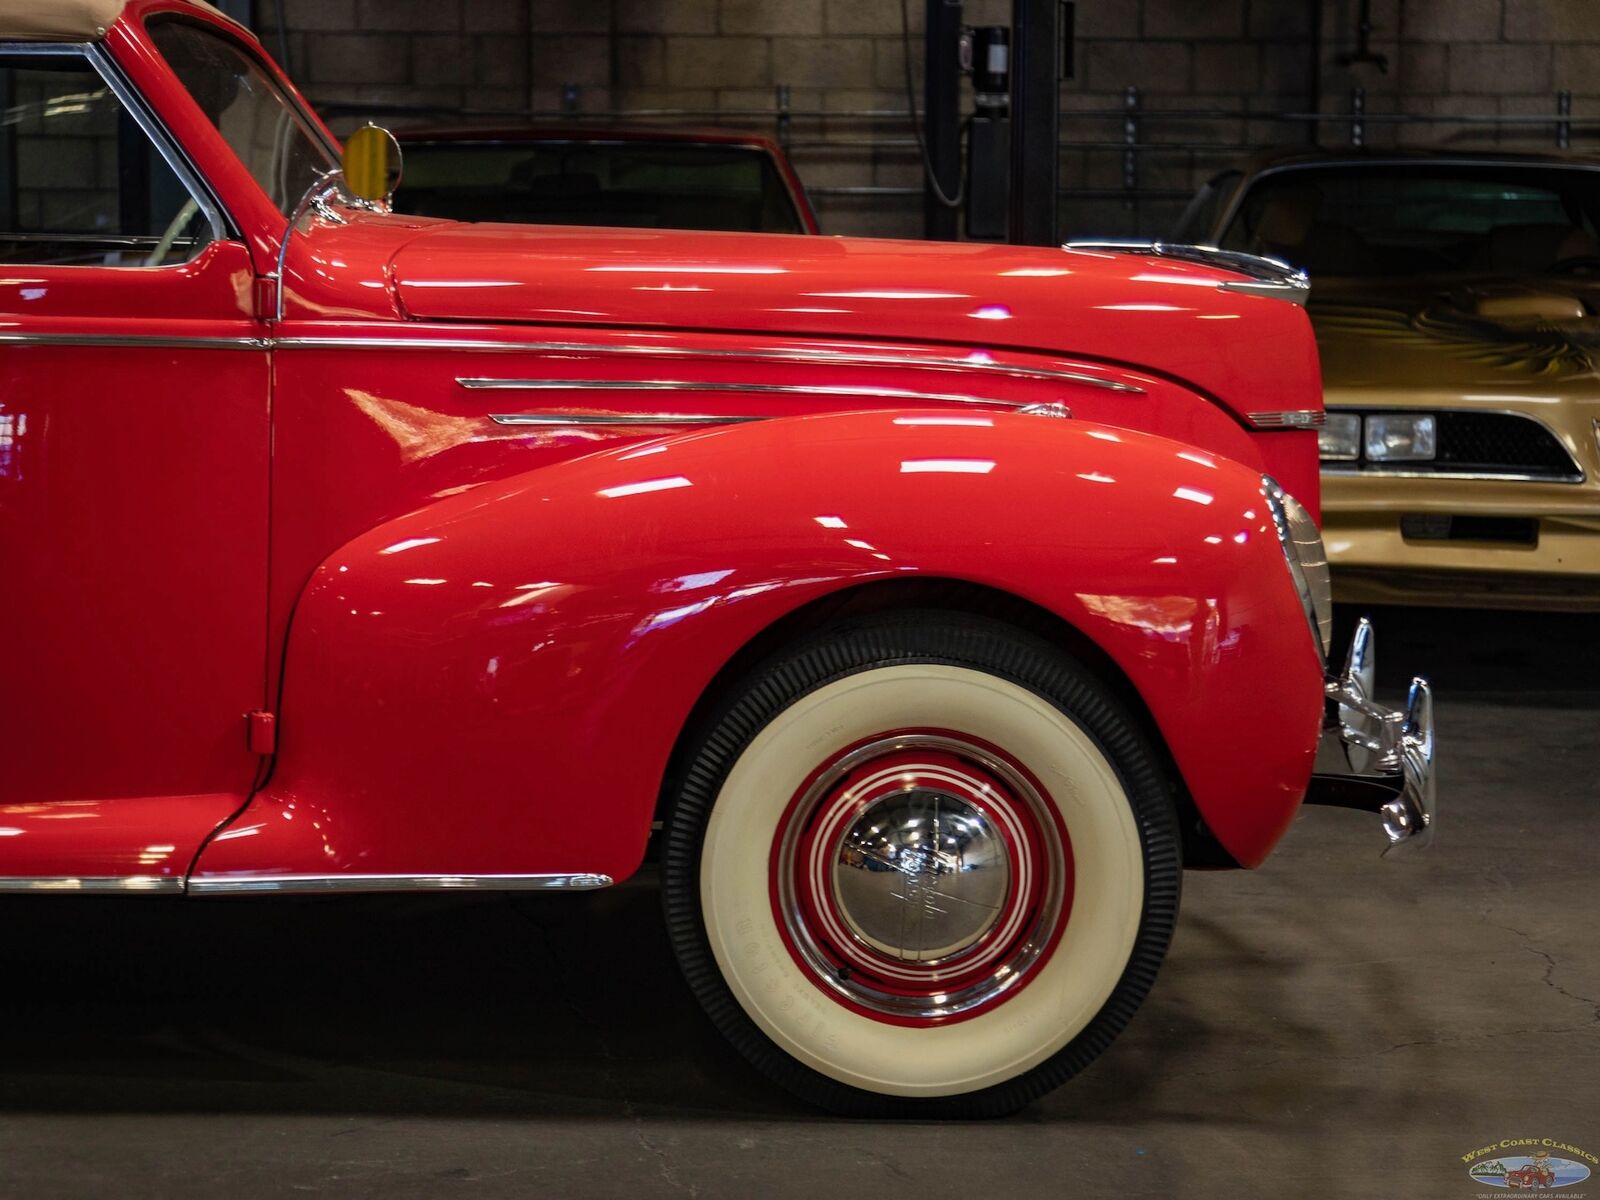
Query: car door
column 133, row 487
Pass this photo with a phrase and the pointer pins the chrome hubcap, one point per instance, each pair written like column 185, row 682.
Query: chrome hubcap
column 921, row 875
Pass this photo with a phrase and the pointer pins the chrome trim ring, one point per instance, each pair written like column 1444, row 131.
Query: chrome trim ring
column 216, row 885
column 905, row 932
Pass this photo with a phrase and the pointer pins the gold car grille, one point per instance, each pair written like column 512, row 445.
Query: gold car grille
column 1493, row 444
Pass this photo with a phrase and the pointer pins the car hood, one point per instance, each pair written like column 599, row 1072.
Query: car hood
column 1457, row 337
column 1156, row 314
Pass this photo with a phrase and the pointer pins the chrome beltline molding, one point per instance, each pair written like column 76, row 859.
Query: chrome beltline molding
column 844, row 358
column 217, row 885
column 687, row 385
column 135, row 341
column 105, row 885
column 376, row 343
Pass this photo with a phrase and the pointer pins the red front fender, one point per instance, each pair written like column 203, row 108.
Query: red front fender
column 494, row 684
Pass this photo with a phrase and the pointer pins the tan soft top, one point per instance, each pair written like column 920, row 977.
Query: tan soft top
column 63, row 20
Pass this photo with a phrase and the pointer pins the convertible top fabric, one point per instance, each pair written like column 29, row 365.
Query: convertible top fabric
column 63, row 20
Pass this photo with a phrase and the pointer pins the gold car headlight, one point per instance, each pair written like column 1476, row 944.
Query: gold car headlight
column 1306, row 558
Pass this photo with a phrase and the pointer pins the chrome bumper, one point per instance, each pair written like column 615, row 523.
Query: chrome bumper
column 1391, row 753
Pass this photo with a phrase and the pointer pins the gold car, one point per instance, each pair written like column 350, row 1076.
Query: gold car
column 1456, row 301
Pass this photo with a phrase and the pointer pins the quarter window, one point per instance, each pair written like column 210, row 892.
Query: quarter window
column 81, row 184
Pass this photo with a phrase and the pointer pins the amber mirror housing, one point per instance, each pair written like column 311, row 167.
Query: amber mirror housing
column 372, row 163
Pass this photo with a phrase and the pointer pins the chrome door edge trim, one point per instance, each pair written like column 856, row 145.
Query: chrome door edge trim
column 867, row 391
column 104, row 885
column 135, row 341
column 217, row 885
column 658, row 418
column 843, row 358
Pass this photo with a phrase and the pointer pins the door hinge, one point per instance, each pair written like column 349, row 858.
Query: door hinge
column 263, row 732
column 265, row 298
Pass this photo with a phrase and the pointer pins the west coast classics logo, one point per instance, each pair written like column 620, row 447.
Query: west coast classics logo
column 1530, row 1164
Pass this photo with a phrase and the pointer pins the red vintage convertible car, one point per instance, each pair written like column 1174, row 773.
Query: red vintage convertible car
column 923, row 608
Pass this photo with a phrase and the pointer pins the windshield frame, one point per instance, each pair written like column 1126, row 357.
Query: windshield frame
column 1362, row 162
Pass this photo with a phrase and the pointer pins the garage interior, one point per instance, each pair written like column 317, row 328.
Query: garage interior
column 1328, row 1025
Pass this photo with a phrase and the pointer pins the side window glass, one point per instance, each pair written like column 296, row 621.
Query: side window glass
column 254, row 115
column 81, row 184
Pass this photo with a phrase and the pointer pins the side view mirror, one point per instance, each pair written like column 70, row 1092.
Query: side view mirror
column 372, row 164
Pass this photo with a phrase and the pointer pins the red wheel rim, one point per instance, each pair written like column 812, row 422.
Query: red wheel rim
column 921, row 877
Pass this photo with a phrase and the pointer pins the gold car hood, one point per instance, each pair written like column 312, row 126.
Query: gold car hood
column 1389, row 340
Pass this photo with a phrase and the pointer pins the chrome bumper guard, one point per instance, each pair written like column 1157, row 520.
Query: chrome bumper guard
column 1390, row 753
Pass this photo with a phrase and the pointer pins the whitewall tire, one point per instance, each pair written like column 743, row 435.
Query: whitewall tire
column 921, row 864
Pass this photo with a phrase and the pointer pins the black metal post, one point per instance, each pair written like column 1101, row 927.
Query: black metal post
column 1035, row 120
column 1314, row 72
column 941, row 89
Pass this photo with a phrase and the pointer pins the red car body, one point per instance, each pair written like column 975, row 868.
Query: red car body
column 1531, row 1175
column 941, row 601
column 461, row 648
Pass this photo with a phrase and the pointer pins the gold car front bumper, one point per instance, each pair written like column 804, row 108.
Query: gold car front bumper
column 1378, row 557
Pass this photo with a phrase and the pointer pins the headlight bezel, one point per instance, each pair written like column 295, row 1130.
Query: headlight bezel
column 1307, row 560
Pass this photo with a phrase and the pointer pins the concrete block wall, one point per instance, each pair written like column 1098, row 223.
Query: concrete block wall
column 726, row 58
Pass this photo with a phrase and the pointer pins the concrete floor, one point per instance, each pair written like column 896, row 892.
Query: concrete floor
column 1328, row 1026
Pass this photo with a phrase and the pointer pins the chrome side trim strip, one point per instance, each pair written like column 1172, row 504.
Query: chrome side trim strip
column 658, row 418
column 100, row 885
column 687, row 385
column 1289, row 418
column 218, row 885
column 841, row 358
column 135, row 341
